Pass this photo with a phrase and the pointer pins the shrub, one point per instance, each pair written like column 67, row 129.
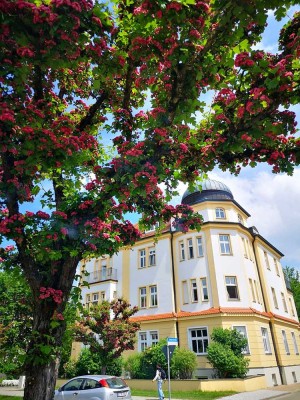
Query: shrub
column 225, row 353
column 183, row 363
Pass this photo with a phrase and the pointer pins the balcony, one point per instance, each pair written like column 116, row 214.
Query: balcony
column 101, row 275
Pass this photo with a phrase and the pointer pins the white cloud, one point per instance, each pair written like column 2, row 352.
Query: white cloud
column 272, row 200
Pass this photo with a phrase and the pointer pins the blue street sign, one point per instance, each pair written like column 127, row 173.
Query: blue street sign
column 172, row 341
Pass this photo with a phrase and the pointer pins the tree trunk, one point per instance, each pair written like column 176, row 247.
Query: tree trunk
column 42, row 358
column 40, row 381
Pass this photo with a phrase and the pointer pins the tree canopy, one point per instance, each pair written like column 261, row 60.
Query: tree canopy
column 107, row 330
column 101, row 104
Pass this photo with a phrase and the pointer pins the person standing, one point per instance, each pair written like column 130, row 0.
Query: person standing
column 159, row 380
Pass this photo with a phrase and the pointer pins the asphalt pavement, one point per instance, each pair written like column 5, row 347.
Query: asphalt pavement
column 264, row 394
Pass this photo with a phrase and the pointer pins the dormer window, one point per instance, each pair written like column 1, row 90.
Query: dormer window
column 220, row 213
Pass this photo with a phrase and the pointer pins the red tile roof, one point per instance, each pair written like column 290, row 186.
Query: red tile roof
column 212, row 311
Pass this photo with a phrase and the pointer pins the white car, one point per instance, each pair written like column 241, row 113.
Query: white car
column 94, row 387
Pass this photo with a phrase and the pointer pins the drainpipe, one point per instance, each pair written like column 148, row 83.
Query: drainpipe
column 264, row 301
column 174, row 284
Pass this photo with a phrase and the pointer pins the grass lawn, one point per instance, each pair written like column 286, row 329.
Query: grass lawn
column 153, row 395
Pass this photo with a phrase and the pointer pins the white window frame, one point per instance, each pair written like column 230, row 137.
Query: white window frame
column 204, row 289
column 231, row 281
column 220, row 213
column 194, row 291
column 95, row 299
column 185, row 292
column 252, row 290
column 284, row 302
column 200, row 252
column 142, row 258
column 143, row 297
column 153, row 338
column 242, row 329
column 225, row 246
column 267, row 262
column 285, row 342
column 199, row 338
column 153, row 296
column 266, row 340
column 295, row 343
column 274, row 298
column 152, row 256
column 147, row 339
column 181, row 250
column 190, row 246
column 245, row 248
column 240, row 219
column 142, row 341
column 276, row 266
column 292, row 307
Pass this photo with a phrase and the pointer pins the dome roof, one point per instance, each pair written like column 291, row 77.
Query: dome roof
column 207, row 190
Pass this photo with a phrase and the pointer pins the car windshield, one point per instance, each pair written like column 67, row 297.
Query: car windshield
column 116, row 383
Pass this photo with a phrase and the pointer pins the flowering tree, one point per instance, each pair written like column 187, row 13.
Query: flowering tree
column 77, row 75
column 107, row 329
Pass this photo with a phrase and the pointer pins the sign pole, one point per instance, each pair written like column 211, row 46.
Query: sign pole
column 168, row 360
column 171, row 344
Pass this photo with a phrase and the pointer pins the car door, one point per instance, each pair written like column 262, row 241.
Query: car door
column 71, row 390
column 92, row 389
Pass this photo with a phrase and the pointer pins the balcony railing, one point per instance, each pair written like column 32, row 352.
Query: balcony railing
column 101, row 275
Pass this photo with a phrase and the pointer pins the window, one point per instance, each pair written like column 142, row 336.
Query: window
column 199, row 247
column 284, row 302
column 245, row 248
column 204, row 290
column 266, row 342
column 224, row 244
column 142, row 258
column 240, row 219
column 276, row 266
column 185, row 294
column 292, row 307
column 143, row 297
column 147, row 339
column 95, row 297
column 103, row 272
column 198, row 340
column 153, row 338
column 88, row 301
column 142, row 341
column 153, row 296
column 115, row 294
column 102, row 295
column 274, row 297
column 152, row 258
column 285, row 342
column 190, row 248
column 231, row 287
column 257, row 291
column 267, row 260
column 295, row 343
column 243, row 332
column 220, row 213
column 181, row 250
column 252, row 290
column 194, row 290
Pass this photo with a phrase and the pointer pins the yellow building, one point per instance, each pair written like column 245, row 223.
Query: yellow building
column 185, row 284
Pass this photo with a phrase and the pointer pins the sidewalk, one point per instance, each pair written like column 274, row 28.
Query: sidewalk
column 263, row 394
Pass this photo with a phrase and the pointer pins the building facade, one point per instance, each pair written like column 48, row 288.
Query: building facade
column 185, row 284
